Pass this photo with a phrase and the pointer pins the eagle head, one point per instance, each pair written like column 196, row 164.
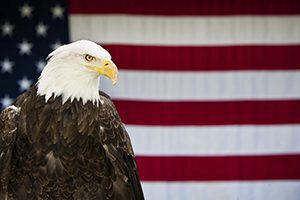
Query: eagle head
column 73, row 72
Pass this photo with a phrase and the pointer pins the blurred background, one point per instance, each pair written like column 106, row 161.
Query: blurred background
column 209, row 90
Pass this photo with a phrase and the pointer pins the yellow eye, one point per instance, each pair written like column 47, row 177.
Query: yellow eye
column 89, row 58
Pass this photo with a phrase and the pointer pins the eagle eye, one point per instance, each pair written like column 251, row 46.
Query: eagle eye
column 89, row 58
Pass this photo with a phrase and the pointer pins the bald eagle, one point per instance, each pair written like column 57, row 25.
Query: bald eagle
column 63, row 139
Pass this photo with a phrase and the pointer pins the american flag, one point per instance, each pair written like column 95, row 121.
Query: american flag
column 209, row 90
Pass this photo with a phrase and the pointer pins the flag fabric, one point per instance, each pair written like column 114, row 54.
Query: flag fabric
column 29, row 31
column 209, row 90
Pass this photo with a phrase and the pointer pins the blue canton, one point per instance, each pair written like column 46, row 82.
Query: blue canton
column 29, row 31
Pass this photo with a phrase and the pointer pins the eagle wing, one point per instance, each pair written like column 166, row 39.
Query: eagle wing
column 8, row 131
column 119, row 150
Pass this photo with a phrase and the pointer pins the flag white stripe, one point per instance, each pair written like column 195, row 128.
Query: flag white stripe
column 233, row 190
column 193, row 86
column 214, row 140
column 171, row 30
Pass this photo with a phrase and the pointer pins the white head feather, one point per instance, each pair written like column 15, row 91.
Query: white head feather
column 67, row 73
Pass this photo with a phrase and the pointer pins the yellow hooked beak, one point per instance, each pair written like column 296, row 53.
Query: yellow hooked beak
column 108, row 69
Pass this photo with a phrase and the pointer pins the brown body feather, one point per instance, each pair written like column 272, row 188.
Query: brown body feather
column 70, row 151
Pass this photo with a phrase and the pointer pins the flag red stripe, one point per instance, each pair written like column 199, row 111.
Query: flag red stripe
column 219, row 168
column 209, row 113
column 207, row 58
column 188, row 7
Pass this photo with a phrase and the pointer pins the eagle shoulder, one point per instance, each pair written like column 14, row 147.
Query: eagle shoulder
column 103, row 94
column 119, row 150
column 8, row 132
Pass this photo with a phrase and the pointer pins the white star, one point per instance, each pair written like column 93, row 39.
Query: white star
column 6, row 101
column 57, row 12
column 40, row 65
column 41, row 29
column 55, row 45
column 24, row 83
column 7, row 29
column 25, row 47
column 26, row 10
column 6, row 66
